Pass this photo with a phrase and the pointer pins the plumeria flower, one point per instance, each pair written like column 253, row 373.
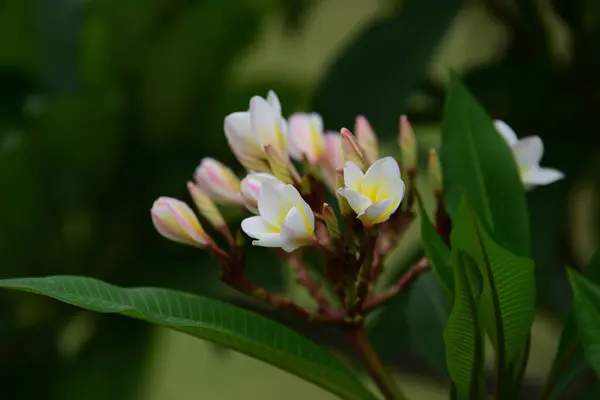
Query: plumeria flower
column 248, row 132
column 251, row 186
column 285, row 219
column 218, row 182
column 528, row 153
column 176, row 221
column 375, row 195
column 305, row 133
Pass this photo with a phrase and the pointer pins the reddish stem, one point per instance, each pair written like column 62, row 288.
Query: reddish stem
column 403, row 282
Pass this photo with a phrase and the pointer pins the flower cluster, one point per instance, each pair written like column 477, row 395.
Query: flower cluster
column 291, row 164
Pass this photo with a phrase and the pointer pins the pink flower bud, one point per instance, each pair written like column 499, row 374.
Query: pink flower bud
column 367, row 139
column 251, row 187
column 306, row 137
column 218, row 182
column 351, row 149
column 176, row 221
column 408, row 144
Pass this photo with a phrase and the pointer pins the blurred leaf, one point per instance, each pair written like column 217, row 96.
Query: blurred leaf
column 507, row 303
column 427, row 313
column 463, row 334
column 586, row 305
column 377, row 72
column 569, row 362
column 212, row 320
column 436, row 250
column 110, row 365
column 477, row 161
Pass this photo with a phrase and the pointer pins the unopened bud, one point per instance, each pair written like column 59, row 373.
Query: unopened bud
column 218, row 182
column 279, row 166
column 342, row 202
column 351, row 149
column 333, row 227
column 176, row 221
column 251, row 186
column 206, row 207
column 367, row 139
column 408, row 144
column 434, row 171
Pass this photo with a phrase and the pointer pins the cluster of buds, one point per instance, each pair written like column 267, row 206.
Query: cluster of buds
column 291, row 165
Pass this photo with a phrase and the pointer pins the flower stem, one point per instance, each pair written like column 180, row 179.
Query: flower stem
column 380, row 376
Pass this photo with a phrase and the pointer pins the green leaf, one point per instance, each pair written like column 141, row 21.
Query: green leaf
column 436, row 250
column 377, row 72
column 569, row 362
column 586, row 304
column 427, row 314
column 508, row 297
column 207, row 319
column 477, row 161
column 463, row 335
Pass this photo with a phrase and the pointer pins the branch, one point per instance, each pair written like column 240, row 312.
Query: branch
column 403, row 282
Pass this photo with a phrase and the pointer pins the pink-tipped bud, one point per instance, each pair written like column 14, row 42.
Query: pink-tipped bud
column 334, row 158
column 251, row 187
column 367, row 139
column 305, row 133
column 351, row 149
column 408, row 144
column 206, row 206
column 434, row 171
column 176, row 221
column 218, row 182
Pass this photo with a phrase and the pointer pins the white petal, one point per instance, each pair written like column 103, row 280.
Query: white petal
column 393, row 189
column 273, row 101
column 353, row 176
column 295, row 225
column 378, row 174
column 294, row 197
column 528, row 151
column 379, row 212
column 273, row 205
column 256, row 227
column 506, row 131
column 357, row 201
column 265, row 123
column 273, row 240
column 240, row 136
column 299, row 135
column 541, row 176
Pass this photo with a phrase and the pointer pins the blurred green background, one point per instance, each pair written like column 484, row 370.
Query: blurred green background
column 106, row 105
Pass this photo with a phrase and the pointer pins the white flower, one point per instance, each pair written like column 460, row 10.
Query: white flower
column 248, row 132
column 176, row 221
column 528, row 153
column 218, row 182
column 251, row 186
column 285, row 219
column 305, row 133
column 375, row 195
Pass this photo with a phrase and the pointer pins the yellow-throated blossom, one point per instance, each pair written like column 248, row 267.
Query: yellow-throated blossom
column 305, row 134
column 251, row 187
column 334, row 159
column 367, row 139
column 408, row 144
column 248, row 132
column 176, row 221
column 218, row 182
column 375, row 195
column 285, row 220
column 528, row 153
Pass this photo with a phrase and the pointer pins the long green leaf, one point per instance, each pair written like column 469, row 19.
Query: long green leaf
column 464, row 344
column 436, row 250
column 208, row 319
column 508, row 298
column 427, row 313
column 586, row 305
column 476, row 161
column 377, row 72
